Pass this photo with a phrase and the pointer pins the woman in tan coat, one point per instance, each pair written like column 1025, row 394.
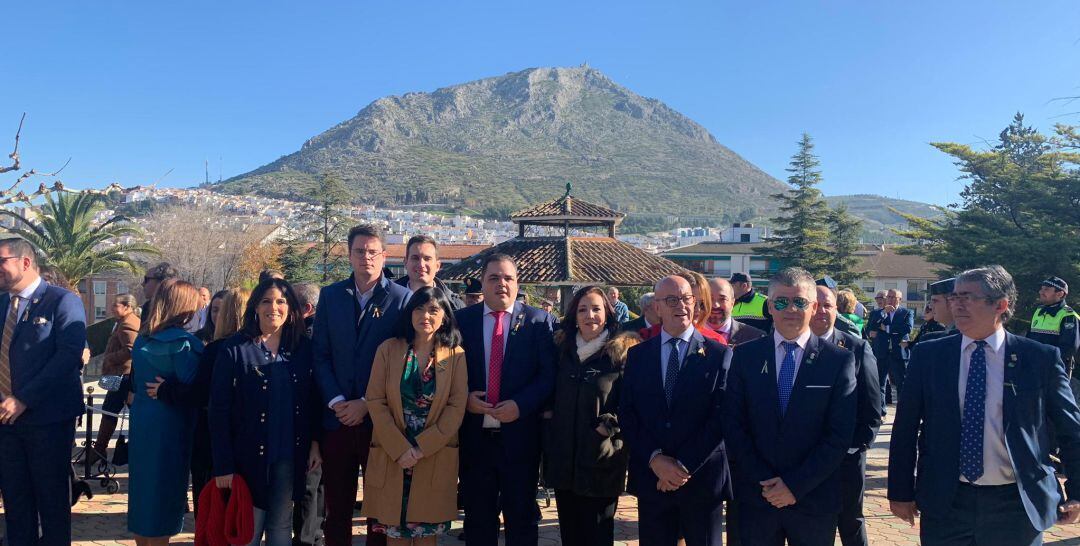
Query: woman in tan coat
column 416, row 399
column 117, row 361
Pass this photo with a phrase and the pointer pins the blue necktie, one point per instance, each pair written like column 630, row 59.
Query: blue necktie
column 787, row 374
column 971, row 425
column 672, row 373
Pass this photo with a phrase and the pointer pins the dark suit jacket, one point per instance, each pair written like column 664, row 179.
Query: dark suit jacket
column 345, row 338
column 888, row 343
column 926, row 432
column 805, row 446
column 45, row 355
column 689, row 431
column 634, row 325
column 867, row 388
column 742, row 332
column 528, row 377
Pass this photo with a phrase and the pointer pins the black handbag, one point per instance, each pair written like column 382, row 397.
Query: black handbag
column 120, row 452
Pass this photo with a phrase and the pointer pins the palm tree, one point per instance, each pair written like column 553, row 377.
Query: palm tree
column 74, row 244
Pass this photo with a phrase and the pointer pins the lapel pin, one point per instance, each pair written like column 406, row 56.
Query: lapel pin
column 701, row 351
column 376, row 312
column 1012, row 386
column 1012, row 360
column 765, row 367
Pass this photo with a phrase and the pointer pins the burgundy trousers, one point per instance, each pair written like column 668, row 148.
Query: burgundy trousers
column 344, row 452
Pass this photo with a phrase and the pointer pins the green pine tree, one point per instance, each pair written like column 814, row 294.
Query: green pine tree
column 801, row 237
column 324, row 228
column 844, row 235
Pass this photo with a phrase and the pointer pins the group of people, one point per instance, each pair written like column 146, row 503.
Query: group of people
column 718, row 406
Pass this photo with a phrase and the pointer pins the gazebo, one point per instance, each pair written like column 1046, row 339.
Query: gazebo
column 570, row 261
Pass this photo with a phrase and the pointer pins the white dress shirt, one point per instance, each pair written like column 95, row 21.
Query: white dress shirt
column 781, row 353
column 665, row 349
column 24, row 296
column 725, row 328
column 489, row 330
column 997, row 466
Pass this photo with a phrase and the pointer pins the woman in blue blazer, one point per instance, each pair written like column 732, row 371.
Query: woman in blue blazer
column 264, row 409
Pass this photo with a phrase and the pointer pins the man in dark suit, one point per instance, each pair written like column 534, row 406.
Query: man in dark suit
column 647, row 317
column 889, row 336
column 352, row 319
column 852, row 523
column 972, row 420
column 720, row 319
column 422, row 264
column 840, row 322
column 44, row 331
column 789, row 419
column 670, row 418
column 511, row 361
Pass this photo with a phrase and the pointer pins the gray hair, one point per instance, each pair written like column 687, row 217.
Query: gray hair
column 306, row 293
column 792, row 276
column 996, row 284
column 646, row 299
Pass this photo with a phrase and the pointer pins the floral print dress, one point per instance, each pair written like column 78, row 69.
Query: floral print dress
column 417, row 393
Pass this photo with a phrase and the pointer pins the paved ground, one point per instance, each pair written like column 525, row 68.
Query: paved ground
column 101, row 521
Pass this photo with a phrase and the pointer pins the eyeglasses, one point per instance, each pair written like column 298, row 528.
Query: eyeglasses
column 783, row 302
column 370, row 253
column 674, row 301
column 6, row 258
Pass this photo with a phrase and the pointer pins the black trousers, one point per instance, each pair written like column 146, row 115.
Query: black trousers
column 663, row 519
column 773, row 527
column 202, row 465
column 852, row 523
column 897, row 371
column 731, row 523
column 981, row 516
column 585, row 521
column 35, row 462
column 496, row 483
column 308, row 513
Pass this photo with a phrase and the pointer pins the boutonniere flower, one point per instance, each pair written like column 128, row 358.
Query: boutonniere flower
column 41, row 320
column 810, row 358
column 376, row 312
column 518, row 320
column 701, row 351
column 841, row 343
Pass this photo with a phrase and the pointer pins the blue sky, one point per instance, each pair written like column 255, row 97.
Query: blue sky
column 131, row 89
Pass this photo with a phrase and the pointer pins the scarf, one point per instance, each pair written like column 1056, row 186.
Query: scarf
column 586, row 349
column 221, row 524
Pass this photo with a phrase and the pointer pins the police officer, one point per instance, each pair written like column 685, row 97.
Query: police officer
column 473, row 292
column 939, row 301
column 749, row 305
column 1054, row 322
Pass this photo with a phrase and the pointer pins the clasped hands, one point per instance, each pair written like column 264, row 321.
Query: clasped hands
column 670, row 473
column 410, row 457
column 504, row 412
column 350, row 412
column 777, row 493
column 10, row 410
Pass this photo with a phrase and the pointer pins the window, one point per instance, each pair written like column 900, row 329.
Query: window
column 121, row 288
column 744, row 238
column 100, row 287
column 100, row 291
column 891, row 285
column 868, row 287
column 916, row 290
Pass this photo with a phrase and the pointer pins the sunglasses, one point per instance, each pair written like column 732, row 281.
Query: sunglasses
column 783, row 302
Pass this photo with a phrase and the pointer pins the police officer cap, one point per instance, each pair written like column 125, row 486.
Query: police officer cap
column 739, row 277
column 827, row 282
column 472, row 286
column 1057, row 283
column 942, row 287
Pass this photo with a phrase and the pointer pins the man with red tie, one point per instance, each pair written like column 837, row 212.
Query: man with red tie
column 511, row 361
column 720, row 320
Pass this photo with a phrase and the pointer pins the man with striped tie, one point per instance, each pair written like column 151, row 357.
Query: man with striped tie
column 973, row 419
column 789, row 417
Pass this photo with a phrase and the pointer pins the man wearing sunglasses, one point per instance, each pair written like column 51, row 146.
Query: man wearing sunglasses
column 789, row 419
column 973, row 419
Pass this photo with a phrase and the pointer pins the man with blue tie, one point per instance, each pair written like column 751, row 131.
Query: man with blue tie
column 511, row 360
column 890, row 337
column 669, row 412
column 352, row 319
column 789, row 420
column 973, row 421
column 44, row 331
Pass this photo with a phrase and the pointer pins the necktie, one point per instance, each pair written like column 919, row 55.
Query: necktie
column 495, row 361
column 971, row 425
column 672, row 374
column 787, row 375
column 5, row 345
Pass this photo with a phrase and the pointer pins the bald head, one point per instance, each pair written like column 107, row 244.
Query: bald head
column 674, row 304
column 723, row 299
column 825, row 316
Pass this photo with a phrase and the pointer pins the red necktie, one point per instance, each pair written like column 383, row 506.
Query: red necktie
column 495, row 362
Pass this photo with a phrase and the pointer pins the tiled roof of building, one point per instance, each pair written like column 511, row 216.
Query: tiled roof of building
column 446, row 252
column 888, row 263
column 567, row 206
column 572, row 260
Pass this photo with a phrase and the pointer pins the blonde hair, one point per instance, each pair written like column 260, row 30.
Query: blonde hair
column 175, row 303
column 845, row 301
column 699, row 285
column 230, row 317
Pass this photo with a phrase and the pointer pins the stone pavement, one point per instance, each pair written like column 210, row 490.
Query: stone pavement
column 101, row 521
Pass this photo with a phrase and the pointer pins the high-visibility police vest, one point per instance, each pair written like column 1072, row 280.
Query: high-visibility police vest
column 1045, row 323
column 753, row 309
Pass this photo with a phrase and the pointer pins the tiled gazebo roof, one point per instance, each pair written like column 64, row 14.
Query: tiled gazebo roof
column 568, row 261
column 568, row 210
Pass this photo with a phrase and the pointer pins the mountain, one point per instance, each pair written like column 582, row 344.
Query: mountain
column 502, row 143
column 877, row 219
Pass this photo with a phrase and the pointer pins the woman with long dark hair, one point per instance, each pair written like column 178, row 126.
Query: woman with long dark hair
column 584, row 455
column 206, row 333
column 416, row 399
column 264, row 412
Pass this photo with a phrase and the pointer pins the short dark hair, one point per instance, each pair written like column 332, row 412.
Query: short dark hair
column 162, row 271
column 367, row 230
column 294, row 328
column 569, row 322
column 447, row 335
column 19, row 247
column 792, row 276
column 270, row 274
column 496, row 257
column 419, row 240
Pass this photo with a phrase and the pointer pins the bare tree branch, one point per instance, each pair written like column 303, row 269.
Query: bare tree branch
column 14, row 155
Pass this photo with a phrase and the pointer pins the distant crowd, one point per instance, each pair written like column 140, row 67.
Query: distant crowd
column 727, row 412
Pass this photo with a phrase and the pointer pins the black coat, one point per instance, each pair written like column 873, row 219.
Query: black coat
column 577, row 457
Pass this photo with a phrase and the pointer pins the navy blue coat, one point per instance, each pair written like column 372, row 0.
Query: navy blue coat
column 46, row 355
column 528, row 377
column 344, row 345
column 689, row 431
column 806, row 445
column 926, row 432
column 888, row 343
column 240, row 414
column 867, row 388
